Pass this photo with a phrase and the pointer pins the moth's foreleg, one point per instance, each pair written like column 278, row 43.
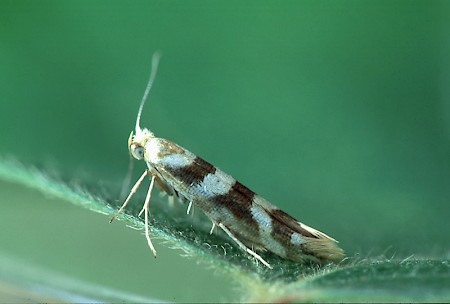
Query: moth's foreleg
column 248, row 250
column 145, row 208
column 132, row 192
column 212, row 228
column 189, row 207
column 149, row 195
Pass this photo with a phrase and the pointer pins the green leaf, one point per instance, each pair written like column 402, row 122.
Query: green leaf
column 374, row 281
column 353, row 280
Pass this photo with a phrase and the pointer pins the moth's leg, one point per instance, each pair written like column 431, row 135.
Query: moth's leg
column 149, row 195
column 248, row 250
column 145, row 208
column 189, row 207
column 132, row 192
column 212, row 228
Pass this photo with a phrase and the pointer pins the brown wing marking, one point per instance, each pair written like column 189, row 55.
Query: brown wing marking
column 317, row 244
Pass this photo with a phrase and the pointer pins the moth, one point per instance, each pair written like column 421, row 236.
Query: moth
column 248, row 219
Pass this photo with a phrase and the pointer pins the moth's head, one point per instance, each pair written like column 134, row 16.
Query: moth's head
column 137, row 142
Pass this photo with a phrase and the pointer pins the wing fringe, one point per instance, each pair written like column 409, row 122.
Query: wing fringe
column 317, row 244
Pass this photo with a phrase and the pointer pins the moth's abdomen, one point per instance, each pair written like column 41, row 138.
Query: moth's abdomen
column 251, row 218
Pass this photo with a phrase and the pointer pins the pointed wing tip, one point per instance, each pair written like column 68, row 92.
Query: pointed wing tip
column 324, row 247
column 325, row 250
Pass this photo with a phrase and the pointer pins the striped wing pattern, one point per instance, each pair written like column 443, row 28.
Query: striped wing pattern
column 252, row 219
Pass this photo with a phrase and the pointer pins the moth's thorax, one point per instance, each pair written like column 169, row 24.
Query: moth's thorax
column 159, row 150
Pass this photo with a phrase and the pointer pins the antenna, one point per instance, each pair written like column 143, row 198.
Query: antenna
column 155, row 62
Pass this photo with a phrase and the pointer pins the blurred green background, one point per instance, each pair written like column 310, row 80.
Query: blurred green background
column 336, row 111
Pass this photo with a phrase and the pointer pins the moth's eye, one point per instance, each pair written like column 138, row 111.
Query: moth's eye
column 137, row 152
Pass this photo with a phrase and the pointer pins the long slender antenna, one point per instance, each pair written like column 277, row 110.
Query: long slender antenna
column 155, row 62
